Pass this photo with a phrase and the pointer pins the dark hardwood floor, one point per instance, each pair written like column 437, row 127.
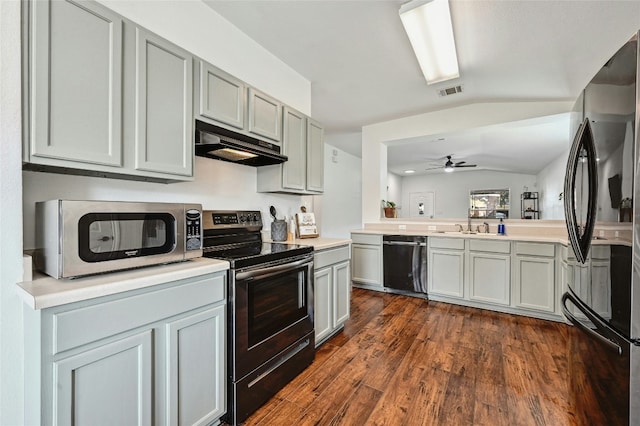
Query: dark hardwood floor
column 407, row 361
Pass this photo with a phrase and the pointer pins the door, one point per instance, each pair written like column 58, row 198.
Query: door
column 315, row 156
column 195, row 368
column 222, row 96
column 323, row 298
column 273, row 309
column 164, row 104
column 110, row 383
column 76, row 86
column 265, row 115
column 294, row 146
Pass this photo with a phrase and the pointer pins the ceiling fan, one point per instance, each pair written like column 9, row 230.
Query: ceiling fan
column 449, row 166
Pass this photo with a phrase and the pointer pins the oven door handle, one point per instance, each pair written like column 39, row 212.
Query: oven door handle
column 272, row 270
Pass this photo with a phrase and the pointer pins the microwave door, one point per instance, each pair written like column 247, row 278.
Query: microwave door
column 581, row 191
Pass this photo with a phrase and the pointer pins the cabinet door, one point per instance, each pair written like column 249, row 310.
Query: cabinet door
column 367, row 264
column 195, row 368
column 111, row 384
column 164, row 102
column 341, row 293
column 222, row 96
column 534, row 283
column 315, row 156
column 76, row 86
column 322, row 294
column 446, row 272
column 294, row 146
column 265, row 115
column 601, row 288
column 490, row 278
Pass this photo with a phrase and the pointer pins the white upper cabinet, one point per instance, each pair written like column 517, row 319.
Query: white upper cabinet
column 76, row 83
column 221, row 96
column 105, row 97
column 163, row 114
column 265, row 115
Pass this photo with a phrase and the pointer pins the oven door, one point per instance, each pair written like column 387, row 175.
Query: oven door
column 273, row 309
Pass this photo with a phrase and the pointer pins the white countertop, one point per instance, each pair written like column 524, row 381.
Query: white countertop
column 516, row 237
column 45, row 292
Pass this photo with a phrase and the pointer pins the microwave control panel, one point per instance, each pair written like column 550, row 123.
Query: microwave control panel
column 194, row 230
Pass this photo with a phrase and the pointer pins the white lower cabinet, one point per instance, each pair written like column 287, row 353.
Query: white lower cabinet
column 534, row 277
column 446, row 267
column 366, row 263
column 146, row 357
column 332, row 291
column 490, row 271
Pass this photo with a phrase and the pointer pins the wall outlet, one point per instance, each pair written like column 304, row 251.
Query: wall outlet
column 402, row 227
column 431, row 227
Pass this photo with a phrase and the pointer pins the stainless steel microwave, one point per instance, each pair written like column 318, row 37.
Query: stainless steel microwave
column 76, row 238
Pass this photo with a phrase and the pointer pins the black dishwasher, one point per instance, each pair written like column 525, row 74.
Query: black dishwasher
column 404, row 260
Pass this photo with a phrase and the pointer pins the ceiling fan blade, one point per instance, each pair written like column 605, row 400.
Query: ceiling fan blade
column 434, row 168
column 459, row 163
column 466, row 165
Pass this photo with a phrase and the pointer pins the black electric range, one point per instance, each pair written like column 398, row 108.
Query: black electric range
column 270, row 328
column 235, row 236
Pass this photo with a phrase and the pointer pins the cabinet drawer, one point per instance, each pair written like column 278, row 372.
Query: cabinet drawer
column 91, row 323
column 601, row 252
column 490, row 246
column 535, row 249
column 447, row 243
column 329, row 257
column 366, row 239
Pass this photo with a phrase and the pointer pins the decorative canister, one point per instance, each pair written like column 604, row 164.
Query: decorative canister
column 279, row 230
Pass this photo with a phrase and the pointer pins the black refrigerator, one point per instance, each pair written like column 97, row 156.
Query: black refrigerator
column 602, row 297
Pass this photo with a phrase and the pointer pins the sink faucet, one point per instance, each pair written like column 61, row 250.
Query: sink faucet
column 469, row 221
column 486, row 227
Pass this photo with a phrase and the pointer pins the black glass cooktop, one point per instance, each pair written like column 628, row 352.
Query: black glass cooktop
column 243, row 255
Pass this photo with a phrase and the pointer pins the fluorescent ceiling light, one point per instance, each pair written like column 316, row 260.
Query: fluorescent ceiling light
column 428, row 25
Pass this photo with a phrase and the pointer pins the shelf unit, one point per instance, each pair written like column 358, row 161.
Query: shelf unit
column 529, row 208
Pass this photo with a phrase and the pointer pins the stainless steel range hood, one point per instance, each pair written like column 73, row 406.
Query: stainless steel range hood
column 222, row 144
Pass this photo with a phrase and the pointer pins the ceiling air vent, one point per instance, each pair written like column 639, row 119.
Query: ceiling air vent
column 450, row 91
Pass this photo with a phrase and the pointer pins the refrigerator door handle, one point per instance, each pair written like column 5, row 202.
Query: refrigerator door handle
column 583, row 149
column 611, row 342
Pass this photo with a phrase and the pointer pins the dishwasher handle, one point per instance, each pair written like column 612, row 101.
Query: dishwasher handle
column 405, row 243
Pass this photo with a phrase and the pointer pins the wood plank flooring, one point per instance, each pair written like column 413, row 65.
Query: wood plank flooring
column 408, row 361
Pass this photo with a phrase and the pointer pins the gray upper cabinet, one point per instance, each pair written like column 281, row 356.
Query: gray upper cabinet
column 265, row 115
column 76, row 86
column 105, row 97
column 294, row 146
column 315, row 157
column 221, row 96
column 303, row 144
column 164, row 98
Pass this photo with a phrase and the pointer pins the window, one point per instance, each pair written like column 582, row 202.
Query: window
column 489, row 203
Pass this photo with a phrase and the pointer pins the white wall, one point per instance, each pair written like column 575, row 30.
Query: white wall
column 374, row 137
column 339, row 209
column 11, row 329
column 451, row 190
column 550, row 186
column 394, row 191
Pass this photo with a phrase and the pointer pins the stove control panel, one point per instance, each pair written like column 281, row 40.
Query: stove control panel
column 232, row 219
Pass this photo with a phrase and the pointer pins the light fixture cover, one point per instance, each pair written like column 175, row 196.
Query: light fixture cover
column 428, row 25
